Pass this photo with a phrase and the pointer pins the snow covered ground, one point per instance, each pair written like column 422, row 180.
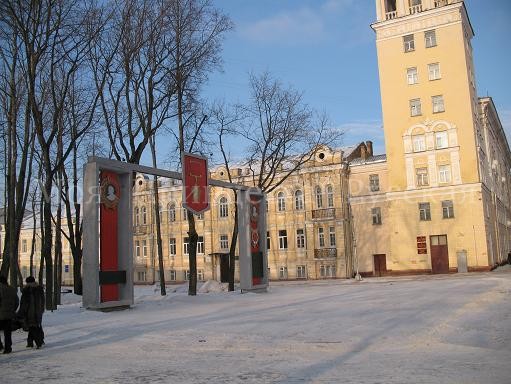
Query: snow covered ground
column 429, row 329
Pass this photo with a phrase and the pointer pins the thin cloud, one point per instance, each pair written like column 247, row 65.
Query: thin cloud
column 297, row 26
column 357, row 131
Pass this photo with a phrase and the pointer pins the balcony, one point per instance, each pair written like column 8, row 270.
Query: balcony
column 323, row 214
column 325, row 253
column 391, row 15
column 440, row 3
column 140, row 229
column 415, row 9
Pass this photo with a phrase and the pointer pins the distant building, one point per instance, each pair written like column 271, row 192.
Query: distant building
column 440, row 201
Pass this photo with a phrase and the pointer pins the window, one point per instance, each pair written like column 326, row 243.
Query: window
column 330, row 196
column 141, row 276
column 185, row 214
column 24, row 245
column 447, row 209
column 438, row 240
column 444, row 173
column 200, row 245
column 144, row 248
column 415, row 107
column 332, row 236
column 186, row 245
column 299, row 200
column 300, row 238
column 419, row 143
column 422, row 177
column 172, row 247
column 411, row 76
column 186, row 274
column 268, row 240
column 282, row 239
column 172, row 212
column 144, row 215
column 301, row 272
column 374, row 183
column 441, row 140
column 319, row 198
column 409, row 43
column 327, row 270
column 173, row 275
column 321, row 237
column 438, row 103
column 224, row 208
column 137, row 248
column 224, row 242
column 283, row 273
column 424, row 212
column 281, row 202
column 434, row 71
column 137, row 216
column 200, row 275
column 430, row 38
column 376, row 213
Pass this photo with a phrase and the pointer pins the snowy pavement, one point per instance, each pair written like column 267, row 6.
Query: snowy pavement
column 429, row 329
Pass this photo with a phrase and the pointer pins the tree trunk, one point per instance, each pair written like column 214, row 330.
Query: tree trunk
column 192, row 254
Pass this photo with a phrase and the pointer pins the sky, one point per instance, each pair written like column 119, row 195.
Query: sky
column 327, row 50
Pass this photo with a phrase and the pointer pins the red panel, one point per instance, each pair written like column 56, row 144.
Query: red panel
column 109, row 232
column 195, row 180
column 254, row 231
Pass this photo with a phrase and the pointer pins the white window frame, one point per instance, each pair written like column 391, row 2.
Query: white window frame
column 430, row 38
column 301, row 272
column 409, row 44
column 444, row 173
column 145, row 252
column 434, row 71
column 137, row 216
column 331, row 235
column 224, row 242
column 282, row 239
column 412, row 76
column 223, row 207
column 298, row 200
column 200, row 245
column 144, row 215
column 424, row 212
column 329, row 196
column 374, row 182
column 438, row 103
column 321, row 237
column 376, row 215
column 441, row 140
column 172, row 247
column 319, row 197
column 447, row 209
column 415, row 107
column 137, row 248
column 186, row 245
column 421, row 175
column 173, row 275
column 283, row 272
column 300, row 238
column 171, row 214
column 281, row 202
column 419, row 143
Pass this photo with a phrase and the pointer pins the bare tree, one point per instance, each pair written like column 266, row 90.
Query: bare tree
column 198, row 30
column 283, row 132
column 227, row 121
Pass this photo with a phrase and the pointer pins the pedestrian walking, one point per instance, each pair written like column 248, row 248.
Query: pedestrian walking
column 8, row 305
column 31, row 312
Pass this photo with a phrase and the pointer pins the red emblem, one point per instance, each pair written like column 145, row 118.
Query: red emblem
column 195, row 183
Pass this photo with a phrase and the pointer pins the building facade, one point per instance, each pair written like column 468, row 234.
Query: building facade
column 443, row 204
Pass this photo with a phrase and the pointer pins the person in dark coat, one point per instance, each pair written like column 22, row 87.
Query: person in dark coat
column 31, row 312
column 8, row 305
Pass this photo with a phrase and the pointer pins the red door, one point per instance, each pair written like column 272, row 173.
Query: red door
column 380, row 265
column 439, row 254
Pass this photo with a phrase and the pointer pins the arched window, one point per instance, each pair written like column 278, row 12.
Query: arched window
column 223, row 207
column 329, row 196
column 281, row 202
column 144, row 215
column 319, row 197
column 172, row 212
column 137, row 216
column 185, row 214
column 299, row 200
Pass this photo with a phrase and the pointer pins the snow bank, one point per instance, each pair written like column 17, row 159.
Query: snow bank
column 213, row 286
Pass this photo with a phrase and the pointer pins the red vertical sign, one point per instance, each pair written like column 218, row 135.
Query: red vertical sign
column 110, row 195
column 255, row 248
column 195, row 183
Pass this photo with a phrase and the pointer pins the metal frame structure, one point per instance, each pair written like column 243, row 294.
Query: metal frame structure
column 91, row 232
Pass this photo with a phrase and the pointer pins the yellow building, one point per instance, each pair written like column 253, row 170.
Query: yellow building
column 444, row 200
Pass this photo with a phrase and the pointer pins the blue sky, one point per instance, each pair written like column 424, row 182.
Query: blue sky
column 326, row 49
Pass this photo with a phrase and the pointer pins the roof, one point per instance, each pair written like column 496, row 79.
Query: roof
column 370, row 159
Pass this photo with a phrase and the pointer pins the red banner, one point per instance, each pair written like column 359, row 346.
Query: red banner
column 255, row 248
column 195, row 183
column 109, row 198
